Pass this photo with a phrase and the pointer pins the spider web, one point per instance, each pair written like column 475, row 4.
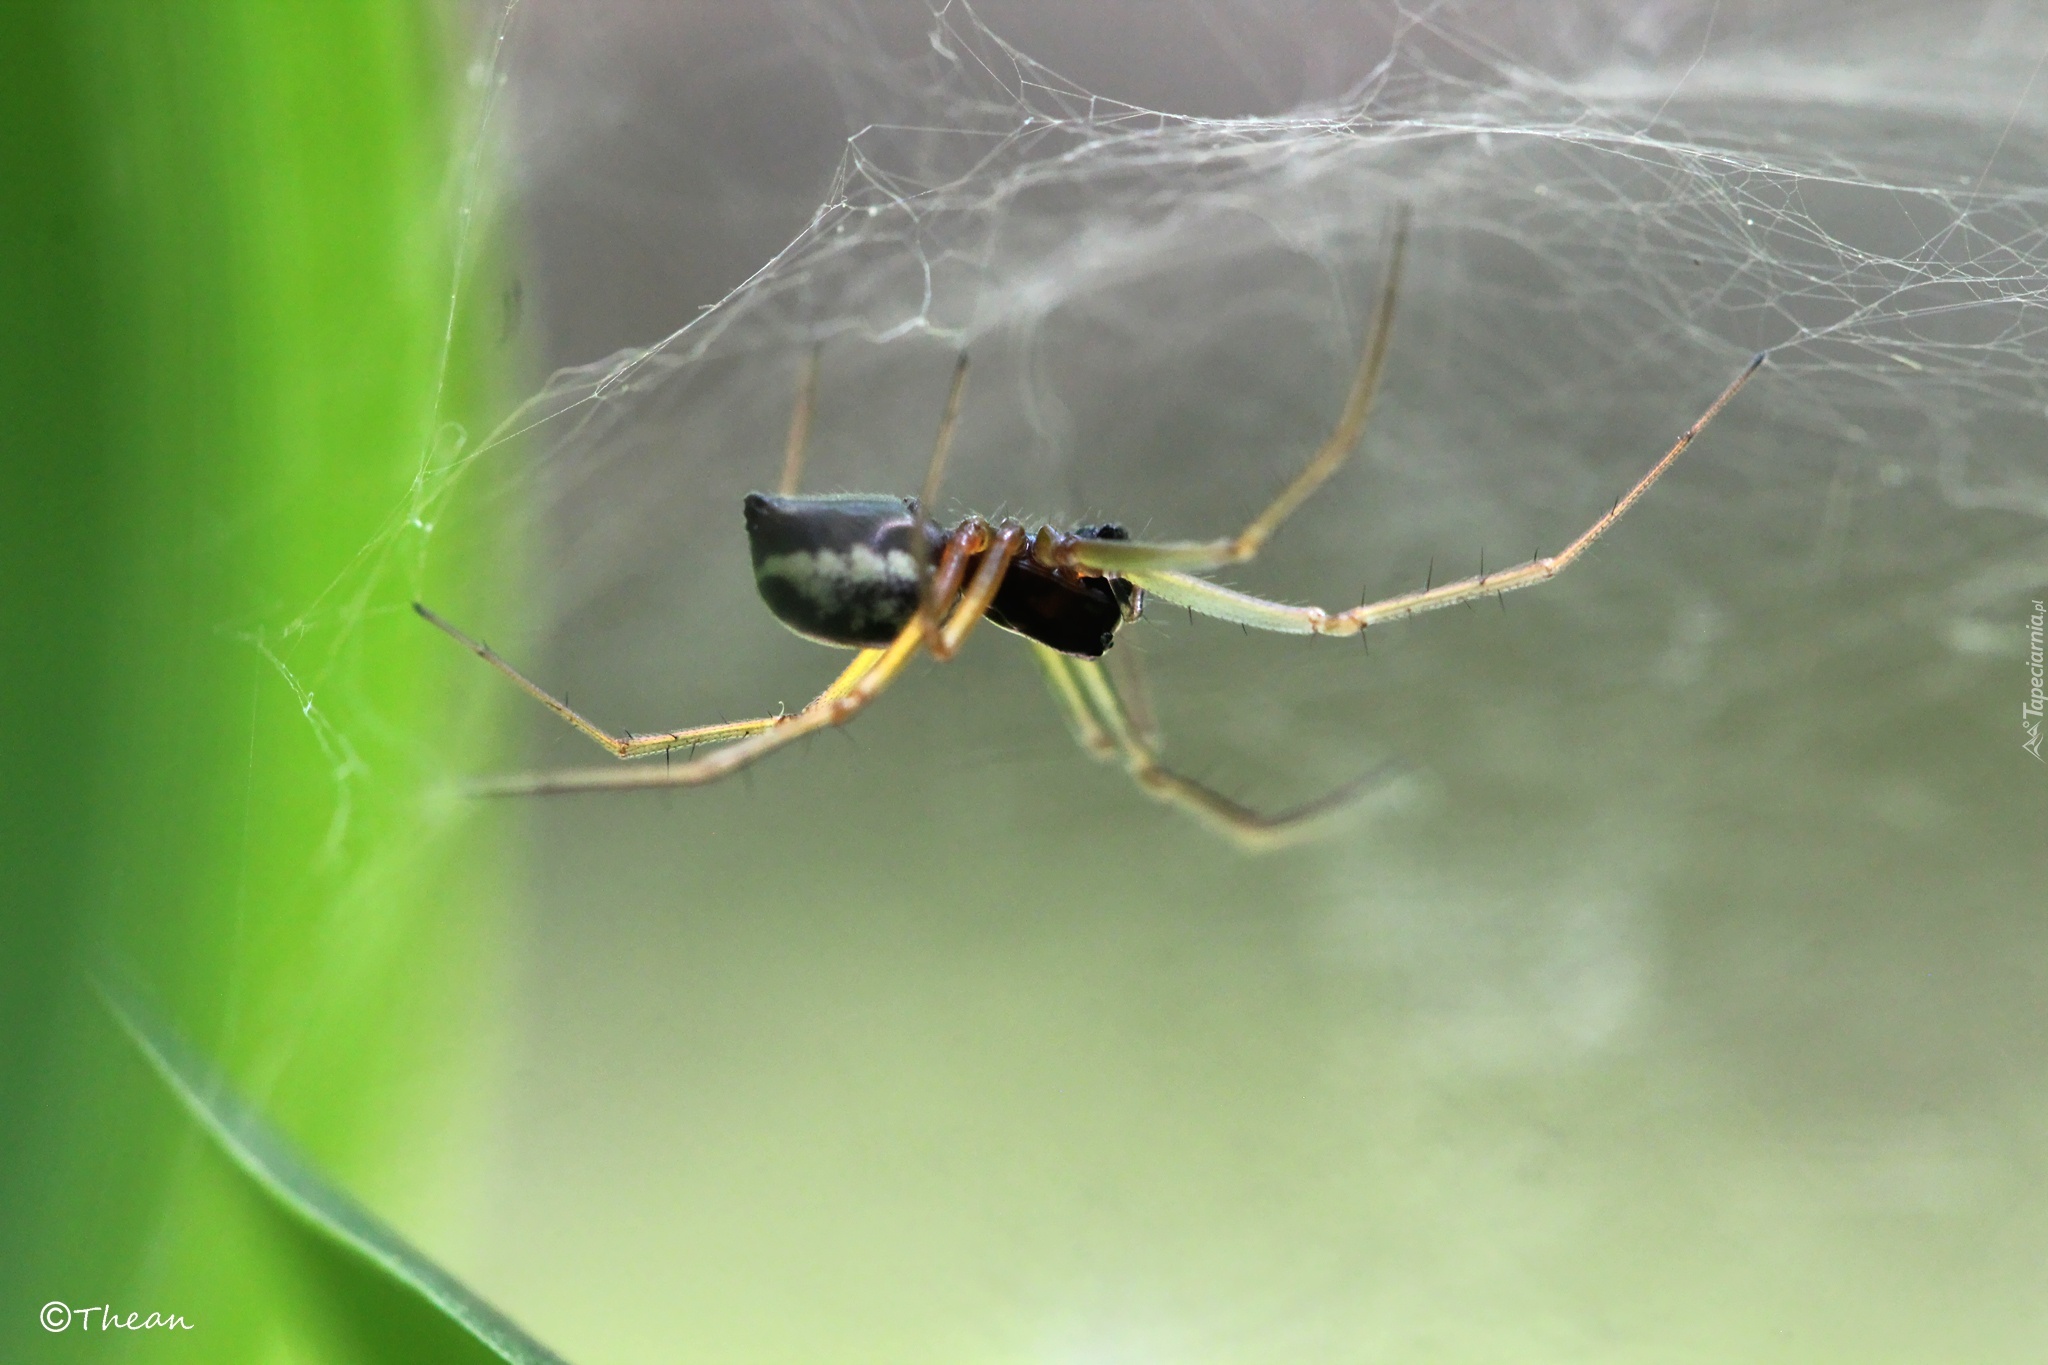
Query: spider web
column 1626, row 220
column 1615, row 205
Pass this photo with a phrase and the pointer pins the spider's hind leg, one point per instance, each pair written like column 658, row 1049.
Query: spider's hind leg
column 629, row 745
column 870, row 673
column 799, row 427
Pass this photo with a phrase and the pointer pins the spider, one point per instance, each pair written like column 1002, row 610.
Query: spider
column 879, row 576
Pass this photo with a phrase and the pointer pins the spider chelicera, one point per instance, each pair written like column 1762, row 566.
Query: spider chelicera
column 879, row 576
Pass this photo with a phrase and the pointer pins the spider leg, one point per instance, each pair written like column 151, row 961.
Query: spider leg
column 800, row 426
column 1102, row 726
column 1213, row 599
column 1126, row 671
column 865, row 679
column 980, row 591
column 873, row 671
column 1088, row 732
column 944, row 445
column 970, row 538
column 1125, row 555
column 631, row 745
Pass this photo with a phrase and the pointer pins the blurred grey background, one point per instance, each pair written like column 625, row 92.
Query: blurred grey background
column 1687, row 1005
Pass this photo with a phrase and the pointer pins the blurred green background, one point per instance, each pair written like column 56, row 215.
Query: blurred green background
column 232, row 382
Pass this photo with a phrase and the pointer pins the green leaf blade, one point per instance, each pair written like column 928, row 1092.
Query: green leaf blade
column 358, row 1257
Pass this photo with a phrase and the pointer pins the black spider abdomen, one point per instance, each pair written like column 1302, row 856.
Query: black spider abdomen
column 841, row 570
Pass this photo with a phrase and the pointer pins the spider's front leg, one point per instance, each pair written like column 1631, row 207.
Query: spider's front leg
column 1159, row 573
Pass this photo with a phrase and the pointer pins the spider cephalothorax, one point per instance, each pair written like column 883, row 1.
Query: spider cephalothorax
column 1074, row 611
